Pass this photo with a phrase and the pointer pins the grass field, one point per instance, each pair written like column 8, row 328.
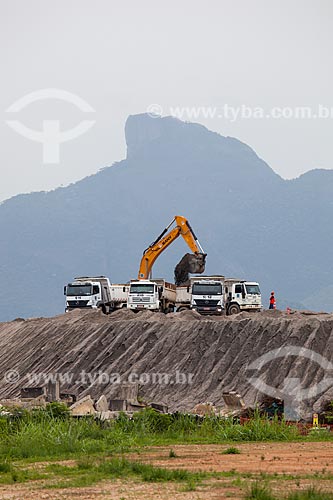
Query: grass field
column 47, row 450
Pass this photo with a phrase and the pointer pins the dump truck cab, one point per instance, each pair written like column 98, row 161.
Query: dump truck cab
column 95, row 292
column 203, row 294
column 155, row 295
column 207, row 296
column 86, row 292
column 242, row 295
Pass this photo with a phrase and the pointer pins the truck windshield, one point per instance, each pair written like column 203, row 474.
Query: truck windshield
column 253, row 289
column 141, row 288
column 78, row 290
column 206, row 289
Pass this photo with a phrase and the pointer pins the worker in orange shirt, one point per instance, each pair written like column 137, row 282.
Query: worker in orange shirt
column 272, row 301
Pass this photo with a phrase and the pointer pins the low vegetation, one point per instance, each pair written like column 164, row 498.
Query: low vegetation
column 98, row 449
column 231, row 451
column 51, row 432
column 263, row 492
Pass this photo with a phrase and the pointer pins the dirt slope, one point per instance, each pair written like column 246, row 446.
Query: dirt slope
column 216, row 351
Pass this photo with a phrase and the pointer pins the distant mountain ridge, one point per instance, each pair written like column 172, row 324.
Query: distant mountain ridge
column 252, row 223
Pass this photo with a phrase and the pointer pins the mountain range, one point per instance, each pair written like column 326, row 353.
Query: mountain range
column 252, row 223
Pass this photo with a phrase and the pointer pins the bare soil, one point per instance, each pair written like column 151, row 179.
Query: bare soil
column 270, row 458
column 297, row 465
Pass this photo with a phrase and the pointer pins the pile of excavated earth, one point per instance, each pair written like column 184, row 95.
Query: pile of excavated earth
column 181, row 359
column 190, row 263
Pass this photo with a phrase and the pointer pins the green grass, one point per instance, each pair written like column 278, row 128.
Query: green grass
column 231, row 451
column 52, row 433
column 90, row 472
column 98, row 448
column 10, row 474
column 4, row 467
column 260, row 491
column 310, row 494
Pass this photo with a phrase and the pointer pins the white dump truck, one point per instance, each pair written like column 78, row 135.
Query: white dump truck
column 216, row 294
column 203, row 294
column 155, row 295
column 240, row 295
column 93, row 292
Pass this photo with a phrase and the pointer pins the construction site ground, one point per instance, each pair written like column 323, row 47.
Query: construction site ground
column 216, row 354
column 284, row 467
column 92, row 353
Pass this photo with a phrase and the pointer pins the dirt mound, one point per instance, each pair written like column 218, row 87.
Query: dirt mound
column 123, row 314
column 201, row 357
column 186, row 315
column 190, row 263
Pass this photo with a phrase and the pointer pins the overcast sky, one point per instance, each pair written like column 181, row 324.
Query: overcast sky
column 216, row 57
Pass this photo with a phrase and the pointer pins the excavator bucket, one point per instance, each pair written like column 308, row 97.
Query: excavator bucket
column 190, row 264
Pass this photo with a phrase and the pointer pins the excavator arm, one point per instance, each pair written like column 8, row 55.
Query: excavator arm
column 165, row 239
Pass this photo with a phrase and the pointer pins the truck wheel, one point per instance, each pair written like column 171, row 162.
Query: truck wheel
column 104, row 309
column 233, row 309
column 182, row 309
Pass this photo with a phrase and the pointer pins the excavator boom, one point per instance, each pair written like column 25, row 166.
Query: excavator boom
column 164, row 240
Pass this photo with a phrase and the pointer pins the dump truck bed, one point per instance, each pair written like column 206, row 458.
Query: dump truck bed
column 119, row 292
column 169, row 289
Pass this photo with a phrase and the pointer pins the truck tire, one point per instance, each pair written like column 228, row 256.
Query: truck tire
column 233, row 309
column 183, row 308
column 105, row 309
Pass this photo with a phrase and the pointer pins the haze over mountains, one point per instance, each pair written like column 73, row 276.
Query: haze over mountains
column 252, row 223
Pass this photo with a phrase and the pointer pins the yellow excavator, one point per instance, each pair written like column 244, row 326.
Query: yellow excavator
column 194, row 263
